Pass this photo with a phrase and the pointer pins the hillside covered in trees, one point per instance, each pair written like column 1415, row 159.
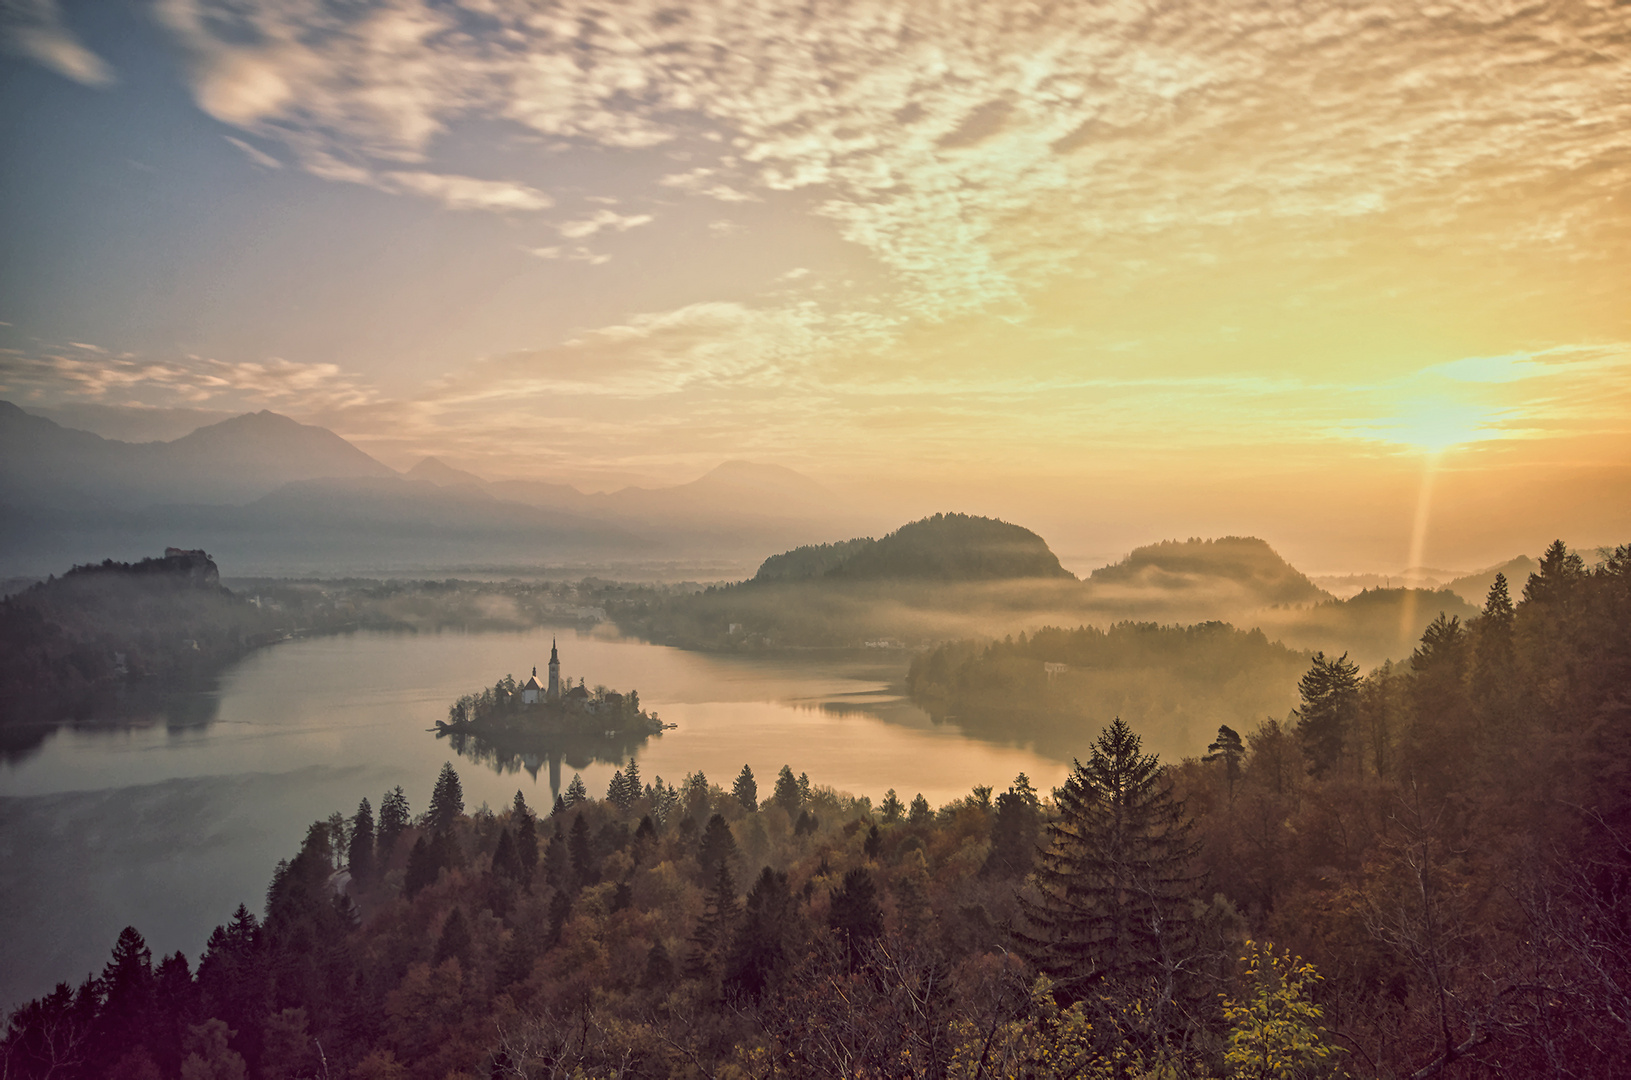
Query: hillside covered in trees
column 1048, row 688
column 108, row 637
column 1426, row 873
column 955, row 576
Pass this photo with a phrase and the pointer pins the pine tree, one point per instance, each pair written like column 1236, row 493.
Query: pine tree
column 631, row 774
column 920, row 813
column 856, row 915
column 746, row 790
column 717, row 846
column 1014, row 831
column 1494, row 657
column 576, row 792
column 891, row 808
column 714, row 929
column 1229, row 749
column 1330, row 702
column 1114, row 883
column 394, row 816
column 584, row 869
column 360, row 852
column 447, row 800
column 763, row 948
column 787, row 794
column 455, row 942
column 526, row 845
column 617, row 791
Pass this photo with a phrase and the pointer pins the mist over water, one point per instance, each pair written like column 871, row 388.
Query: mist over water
column 170, row 825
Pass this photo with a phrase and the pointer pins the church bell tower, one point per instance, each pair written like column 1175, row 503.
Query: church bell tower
column 554, row 693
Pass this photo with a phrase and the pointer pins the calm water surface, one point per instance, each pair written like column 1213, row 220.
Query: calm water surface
column 169, row 825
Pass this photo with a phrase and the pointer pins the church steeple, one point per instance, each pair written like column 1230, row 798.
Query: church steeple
column 554, row 693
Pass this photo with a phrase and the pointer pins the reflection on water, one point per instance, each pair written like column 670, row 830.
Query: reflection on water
column 228, row 778
column 577, row 752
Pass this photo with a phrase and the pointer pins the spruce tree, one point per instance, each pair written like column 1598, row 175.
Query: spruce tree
column 576, row 792
column 717, row 846
column 891, row 808
column 360, row 851
column 447, row 800
column 920, row 813
column 1114, row 885
column 787, row 794
column 394, row 816
column 746, row 790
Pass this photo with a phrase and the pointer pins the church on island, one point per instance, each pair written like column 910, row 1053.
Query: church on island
column 549, row 708
column 532, row 693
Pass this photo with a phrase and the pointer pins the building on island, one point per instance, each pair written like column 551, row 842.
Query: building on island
column 530, row 690
column 554, row 672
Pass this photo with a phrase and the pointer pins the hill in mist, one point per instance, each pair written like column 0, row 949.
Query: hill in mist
column 1228, row 573
column 945, row 547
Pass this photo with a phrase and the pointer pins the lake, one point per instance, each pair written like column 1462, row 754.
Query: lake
column 168, row 825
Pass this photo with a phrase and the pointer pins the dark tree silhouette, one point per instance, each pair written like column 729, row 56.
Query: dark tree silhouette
column 1115, row 883
column 447, row 800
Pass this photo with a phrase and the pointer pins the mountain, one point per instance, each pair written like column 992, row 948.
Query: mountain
column 259, row 484
column 435, row 471
column 48, row 466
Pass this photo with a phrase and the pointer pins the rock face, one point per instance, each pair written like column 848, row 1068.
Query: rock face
column 195, row 564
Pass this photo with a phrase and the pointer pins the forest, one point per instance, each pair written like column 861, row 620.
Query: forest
column 1425, row 872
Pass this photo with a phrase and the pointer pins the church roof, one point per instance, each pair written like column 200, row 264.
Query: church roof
column 532, row 684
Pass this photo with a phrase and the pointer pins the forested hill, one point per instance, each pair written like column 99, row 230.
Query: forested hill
column 79, row 645
column 945, row 547
column 1046, row 689
column 1244, row 564
column 1425, row 875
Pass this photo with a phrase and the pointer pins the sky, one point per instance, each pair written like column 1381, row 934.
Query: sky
column 1351, row 276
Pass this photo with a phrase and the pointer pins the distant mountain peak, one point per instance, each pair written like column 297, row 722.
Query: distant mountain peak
column 436, row 471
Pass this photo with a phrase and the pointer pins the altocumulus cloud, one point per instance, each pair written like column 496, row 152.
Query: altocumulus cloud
column 977, row 150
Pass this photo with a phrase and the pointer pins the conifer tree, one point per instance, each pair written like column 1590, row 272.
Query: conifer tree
column 717, row 846
column 360, row 851
column 584, row 870
column 446, row 801
column 891, row 808
column 631, row 774
column 394, row 816
column 1330, row 702
column 787, row 794
column 746, row 790
column 1114, row 884
column 576, row 792
column 714, row 929
column 920, row 813
column 455, row 942
column 526, row 845
column 1229, row 749
column 856, row 915
column 763, row 947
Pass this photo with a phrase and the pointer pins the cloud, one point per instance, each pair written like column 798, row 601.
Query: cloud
column 36, row 29
column 978, row 153
column 469, row 193
column 259, row 157
column 601, row 219
column 127, row 379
